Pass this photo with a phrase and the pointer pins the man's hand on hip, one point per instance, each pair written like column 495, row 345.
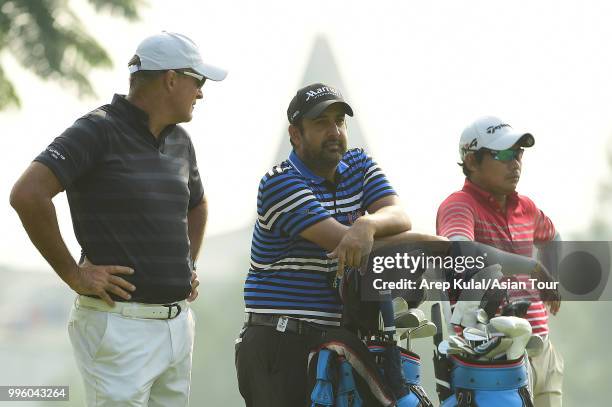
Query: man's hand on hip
column 194, row 287
column 102, row 281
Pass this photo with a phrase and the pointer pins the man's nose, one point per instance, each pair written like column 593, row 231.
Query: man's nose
column 515, row 163
column 335, row 130
column 200, row 95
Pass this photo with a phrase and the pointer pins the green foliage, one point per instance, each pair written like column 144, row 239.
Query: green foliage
column 46, row 37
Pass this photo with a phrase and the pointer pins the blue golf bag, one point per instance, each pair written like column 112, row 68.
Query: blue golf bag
column 361, row 365
column 469, row 382
column 344, row 372
column 488, row 384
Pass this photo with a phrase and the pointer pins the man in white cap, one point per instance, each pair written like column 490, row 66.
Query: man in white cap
column 489, row 210
column 139, row 212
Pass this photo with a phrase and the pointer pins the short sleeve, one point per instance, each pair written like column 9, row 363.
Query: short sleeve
column 375, row 183
column 196, row 189
column 455, row 218
column 75, row 152
column 544, row 228
column 286, row 206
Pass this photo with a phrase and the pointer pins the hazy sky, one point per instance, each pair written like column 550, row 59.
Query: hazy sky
column 417, row 73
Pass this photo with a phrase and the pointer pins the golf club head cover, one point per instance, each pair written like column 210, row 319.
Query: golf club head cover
column 492, row 300
column 388, row 316
column 416, row 250
column 516, row 309
column 394, row 371
column 357, row 316
column 442, row 371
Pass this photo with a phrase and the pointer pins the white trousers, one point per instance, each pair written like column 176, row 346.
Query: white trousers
column 130, row 362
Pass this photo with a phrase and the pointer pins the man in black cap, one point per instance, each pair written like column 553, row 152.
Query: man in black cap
column 139, row 212
column 318, row 211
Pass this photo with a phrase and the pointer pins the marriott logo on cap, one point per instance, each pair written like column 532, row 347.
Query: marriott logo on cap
column 322, row 91
column 312, row 100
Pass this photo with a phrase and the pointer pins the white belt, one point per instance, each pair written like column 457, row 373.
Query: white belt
column 134, row 309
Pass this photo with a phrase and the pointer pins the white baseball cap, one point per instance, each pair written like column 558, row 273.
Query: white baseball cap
column 492, row 133
column 168, row 50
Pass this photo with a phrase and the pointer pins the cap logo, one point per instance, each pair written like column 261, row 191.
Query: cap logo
column 474, row 143
column 325, row 90
column 492, row 129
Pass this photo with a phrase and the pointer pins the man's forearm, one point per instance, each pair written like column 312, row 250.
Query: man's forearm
column 39, row 219
column 196, row 224
column 436, row 244
column 512, row 264
column 387, row 221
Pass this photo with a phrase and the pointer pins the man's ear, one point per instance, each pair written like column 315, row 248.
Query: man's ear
column 169, row 79
column 295, row 135
column 470, row 162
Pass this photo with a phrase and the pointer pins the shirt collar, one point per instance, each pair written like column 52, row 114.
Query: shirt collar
column 129, row 110
column 486, row 196
column 295, row 161
column 133, row 113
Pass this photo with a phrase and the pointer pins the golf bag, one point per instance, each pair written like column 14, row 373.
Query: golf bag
column 343, row 372
column 469, row 382
column 488, row 384
column 361, row 365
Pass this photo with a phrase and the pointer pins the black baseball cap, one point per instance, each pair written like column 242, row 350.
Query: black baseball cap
column 311, row 100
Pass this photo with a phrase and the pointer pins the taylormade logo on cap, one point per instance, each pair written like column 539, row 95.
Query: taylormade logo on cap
column 492, row 133
column 491, row 129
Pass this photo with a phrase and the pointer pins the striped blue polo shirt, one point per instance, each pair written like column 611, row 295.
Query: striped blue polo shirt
column 290, row 275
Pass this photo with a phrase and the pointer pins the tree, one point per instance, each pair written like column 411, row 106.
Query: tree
column 46, row 37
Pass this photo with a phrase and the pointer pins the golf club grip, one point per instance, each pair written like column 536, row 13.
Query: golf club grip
column 436, row 318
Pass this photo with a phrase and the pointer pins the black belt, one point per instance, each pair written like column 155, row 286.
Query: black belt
column 282, row 323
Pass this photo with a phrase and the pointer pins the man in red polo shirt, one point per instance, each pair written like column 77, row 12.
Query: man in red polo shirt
column 489, row 210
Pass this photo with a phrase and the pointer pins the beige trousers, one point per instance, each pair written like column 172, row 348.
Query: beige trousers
column 547, row 375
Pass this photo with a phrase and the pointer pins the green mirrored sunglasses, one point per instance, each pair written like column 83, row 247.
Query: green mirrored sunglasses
column 507, row 155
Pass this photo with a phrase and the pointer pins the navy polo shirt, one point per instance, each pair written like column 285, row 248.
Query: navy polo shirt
column 290, row 275
column 129, row 194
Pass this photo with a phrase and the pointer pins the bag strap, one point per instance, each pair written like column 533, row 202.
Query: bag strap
column 465, row 398
column 323, row 391
column 525, row 396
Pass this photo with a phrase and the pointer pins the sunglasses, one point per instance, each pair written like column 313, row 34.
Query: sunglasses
column 201, row 79
column 507, row 155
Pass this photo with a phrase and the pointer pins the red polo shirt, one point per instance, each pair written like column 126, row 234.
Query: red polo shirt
column 475, row 214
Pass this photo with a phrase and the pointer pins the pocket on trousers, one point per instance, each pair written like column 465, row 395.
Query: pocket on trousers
column 237, row 343
column 557, row 363
column 88, row 329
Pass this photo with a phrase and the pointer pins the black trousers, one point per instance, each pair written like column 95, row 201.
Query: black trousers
column 271, row 367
